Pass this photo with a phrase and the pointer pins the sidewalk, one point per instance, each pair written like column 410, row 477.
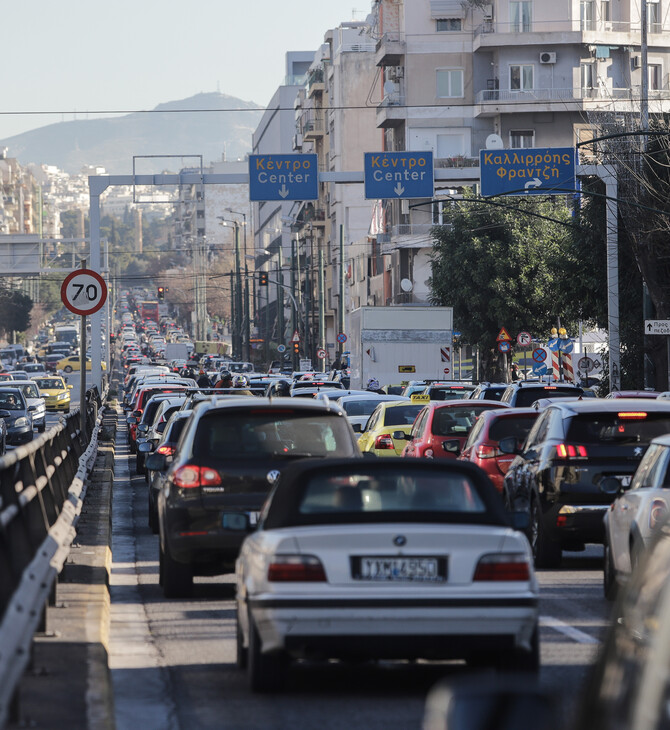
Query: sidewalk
column 68, row 685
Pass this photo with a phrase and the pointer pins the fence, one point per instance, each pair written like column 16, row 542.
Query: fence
column 42, row 488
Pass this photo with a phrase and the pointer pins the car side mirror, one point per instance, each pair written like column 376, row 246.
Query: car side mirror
column 453, row 446
column 160, row 428
column 357, row 427
column 5, row 414
column 156, row 462
column 402, row 436
column 69, row 387
column 611, row 486
column 143, row 427
column 145, row 447
column 32, row 408
column 131, row 420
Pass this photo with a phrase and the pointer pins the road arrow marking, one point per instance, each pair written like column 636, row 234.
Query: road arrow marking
column 398, row 189
column 534, row 183
column 283, row 191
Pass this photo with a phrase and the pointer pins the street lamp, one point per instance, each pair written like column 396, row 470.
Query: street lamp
column 236, row 300
column 247, row 317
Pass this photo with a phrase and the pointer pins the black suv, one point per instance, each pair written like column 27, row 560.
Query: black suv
column 523, row 394
column 230, row 454
column 560, row 474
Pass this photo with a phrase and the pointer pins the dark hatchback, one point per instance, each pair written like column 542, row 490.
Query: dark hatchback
column 560, row 473
column 229, row 456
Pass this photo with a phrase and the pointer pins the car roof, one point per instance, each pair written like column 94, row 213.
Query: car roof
column 613, row 405
column 381, row 397
column 224, row 402
column 466, row 402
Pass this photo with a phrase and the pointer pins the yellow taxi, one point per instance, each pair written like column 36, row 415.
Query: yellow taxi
column 68, row 364
column 387, row 417
column 55, row 392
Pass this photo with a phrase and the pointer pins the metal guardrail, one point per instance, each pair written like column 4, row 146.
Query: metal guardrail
column 42, row 488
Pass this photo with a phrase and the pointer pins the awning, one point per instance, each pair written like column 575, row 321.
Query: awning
column 446, row 9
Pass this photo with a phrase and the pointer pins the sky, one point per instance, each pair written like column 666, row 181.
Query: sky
column 77, row 57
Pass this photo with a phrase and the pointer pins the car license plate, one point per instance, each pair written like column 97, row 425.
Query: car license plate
column 625, row 480
column 253, row 517
column 384, row 568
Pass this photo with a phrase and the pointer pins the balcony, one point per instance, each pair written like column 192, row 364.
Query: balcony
column 313, row 127
column 500, row 101
column 390, row 50
column 496, row 34
column 315, row 83
column 392, row 111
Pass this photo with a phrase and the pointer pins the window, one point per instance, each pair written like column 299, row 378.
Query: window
column 522, row 138
column 449, row 83
column 520, row 16
column 521, row 77
column 448, row 24
column 587, row 14
column 606, row 11
column 587, row 78
column 654, row 76
column 654, row 16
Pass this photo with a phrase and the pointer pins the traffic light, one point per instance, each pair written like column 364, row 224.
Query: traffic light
column 263, row 278
column 296, row 347
column 161, row 292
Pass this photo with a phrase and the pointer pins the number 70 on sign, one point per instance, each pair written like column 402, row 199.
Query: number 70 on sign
column 83, row 292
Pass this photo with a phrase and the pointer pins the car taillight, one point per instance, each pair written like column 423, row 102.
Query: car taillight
column 190, row 476
column 165, row 450
column 385, row 441
column 486, row 451
column 658, row 513
column 502, row 566
column 571, row 451
column 296, row 568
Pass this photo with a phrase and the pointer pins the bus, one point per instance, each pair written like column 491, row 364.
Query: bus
column 149, row 310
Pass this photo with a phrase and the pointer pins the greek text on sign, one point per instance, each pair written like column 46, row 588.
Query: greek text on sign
column 283, row 177
column 83, row 292
column 533, row 171
column 445, row 354
column 398, row 175
column 657, row 326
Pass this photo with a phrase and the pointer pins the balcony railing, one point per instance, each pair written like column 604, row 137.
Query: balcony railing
column 548, row 95
column 567, row 26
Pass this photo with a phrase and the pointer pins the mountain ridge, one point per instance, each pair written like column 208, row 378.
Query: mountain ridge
column 212, row 124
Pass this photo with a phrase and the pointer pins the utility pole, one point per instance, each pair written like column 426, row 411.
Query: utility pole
column 340, row 313
column 322, row 302
column 238, row 286
column 280, row 295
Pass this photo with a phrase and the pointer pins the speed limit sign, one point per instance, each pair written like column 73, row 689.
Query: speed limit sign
column 83, row 292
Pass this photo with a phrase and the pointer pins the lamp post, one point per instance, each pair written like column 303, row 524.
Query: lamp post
column 247, row 317
column 237, row 298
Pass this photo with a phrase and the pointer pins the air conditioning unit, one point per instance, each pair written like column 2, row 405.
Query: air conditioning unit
column 547, row 57
column 637, row 61
column 396, row 72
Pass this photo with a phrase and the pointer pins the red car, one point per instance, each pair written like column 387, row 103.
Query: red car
column 481, row 448
column 441, row 428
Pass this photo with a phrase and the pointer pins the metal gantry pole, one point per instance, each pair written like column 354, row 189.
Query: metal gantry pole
column 238, row 287
column 322, row 303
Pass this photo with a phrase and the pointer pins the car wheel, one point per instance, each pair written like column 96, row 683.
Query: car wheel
column 153, row 518
column 177, row 577
column 265, row 671
column 546, row 552
column 241, row 653
column 609, row 575
column 67, row 369
column 522, row 660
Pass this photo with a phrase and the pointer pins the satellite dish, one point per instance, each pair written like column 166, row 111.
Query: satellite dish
column 390, row 87
column 494, row 142
column 406, row 285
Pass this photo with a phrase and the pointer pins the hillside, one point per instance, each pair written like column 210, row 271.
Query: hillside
column 112, row 142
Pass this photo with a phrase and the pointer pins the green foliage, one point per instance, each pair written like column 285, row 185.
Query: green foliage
column 503, row 266
column 15, row 309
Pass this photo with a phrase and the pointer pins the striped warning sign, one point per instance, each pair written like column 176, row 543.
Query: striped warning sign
column 445, row 354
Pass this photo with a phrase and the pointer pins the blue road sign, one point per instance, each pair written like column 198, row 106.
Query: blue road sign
column 281, row 348
column 504, row 346
column 283, row 177
column 539, row 368
column 535, row 171
column 566, row 346
column 398, row 175
column 553, row 344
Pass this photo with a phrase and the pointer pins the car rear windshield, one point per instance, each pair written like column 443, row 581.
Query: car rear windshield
column 453, row 393
column 259, row 432
column 517, row 426
column 49, row 383
column 527, row 396
column 622, row 427
column 455, row 421
column 359, row 407
column 402, row 415
column 367, row 492
column 492, row 393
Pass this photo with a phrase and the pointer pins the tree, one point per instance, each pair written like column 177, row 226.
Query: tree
column 515, row 264
column 15, row 309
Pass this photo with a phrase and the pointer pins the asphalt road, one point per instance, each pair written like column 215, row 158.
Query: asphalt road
column 173, row 661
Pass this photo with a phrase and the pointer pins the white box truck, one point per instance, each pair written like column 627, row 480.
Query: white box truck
column 396, row 344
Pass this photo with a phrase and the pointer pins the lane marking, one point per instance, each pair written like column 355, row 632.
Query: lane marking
column 570, row 631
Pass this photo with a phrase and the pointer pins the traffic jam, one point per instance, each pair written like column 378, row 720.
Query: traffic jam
column 396, row 522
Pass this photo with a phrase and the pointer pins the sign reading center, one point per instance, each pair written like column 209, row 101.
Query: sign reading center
column 283, row 177
column 398, row 175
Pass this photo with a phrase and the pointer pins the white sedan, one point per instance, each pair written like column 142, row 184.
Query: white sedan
column 376, row 560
